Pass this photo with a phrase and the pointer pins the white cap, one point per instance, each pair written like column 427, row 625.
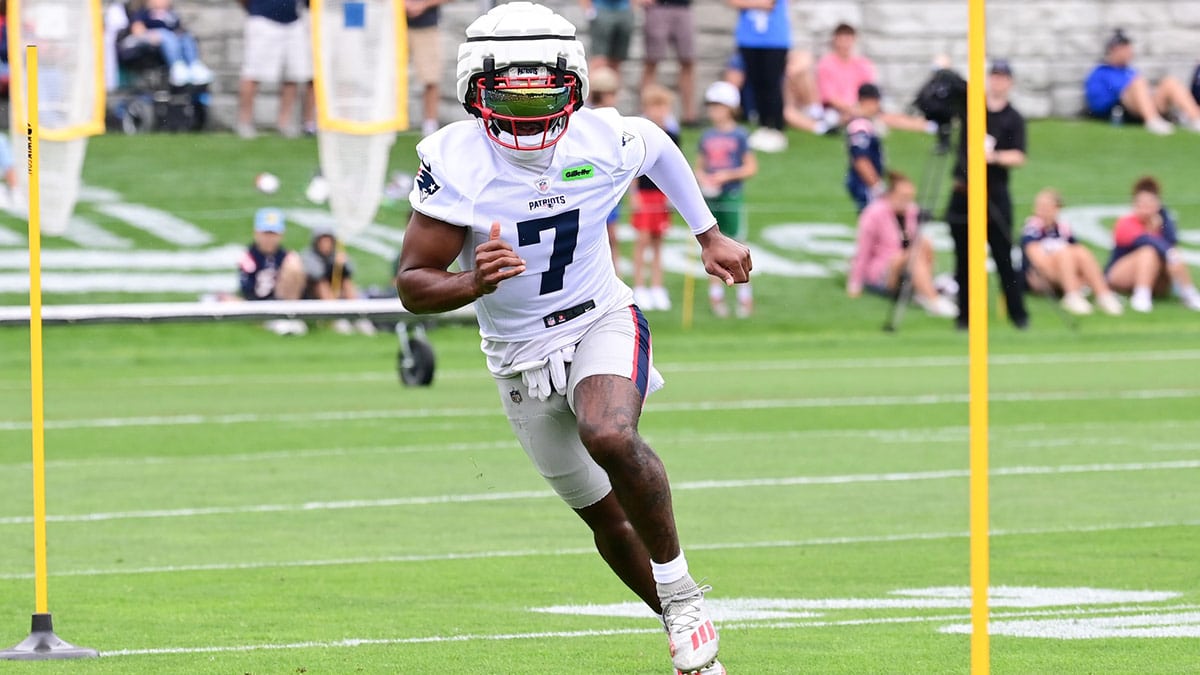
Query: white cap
column 724, row 93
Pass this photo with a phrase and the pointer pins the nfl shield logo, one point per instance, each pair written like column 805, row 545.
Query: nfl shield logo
column 542, row 184
column 514, row 395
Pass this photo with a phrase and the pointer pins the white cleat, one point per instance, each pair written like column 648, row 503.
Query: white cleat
column 693, row 639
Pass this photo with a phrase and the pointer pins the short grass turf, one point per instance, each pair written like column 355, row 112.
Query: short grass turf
column 226, row 501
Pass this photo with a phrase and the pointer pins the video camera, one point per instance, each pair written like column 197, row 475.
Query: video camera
column 942, row 99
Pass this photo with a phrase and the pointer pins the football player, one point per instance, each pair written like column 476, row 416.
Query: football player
column 519, row 197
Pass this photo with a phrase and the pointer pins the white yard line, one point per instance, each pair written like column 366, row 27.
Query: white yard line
column 667, row 368
column 936, row 361
column 678, row 406
column 161, row 224
column 846, row 479
column 544, row 635
column 919, row 435
column 90, row 282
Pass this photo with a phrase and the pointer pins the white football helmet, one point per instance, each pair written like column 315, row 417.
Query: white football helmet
column 522, row 72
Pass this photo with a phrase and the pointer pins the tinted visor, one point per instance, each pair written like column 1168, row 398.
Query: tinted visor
column 527, row 103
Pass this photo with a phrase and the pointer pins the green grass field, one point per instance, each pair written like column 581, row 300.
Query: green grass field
column 223, row 500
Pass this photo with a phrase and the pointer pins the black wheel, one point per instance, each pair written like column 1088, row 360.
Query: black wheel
column 416, row 370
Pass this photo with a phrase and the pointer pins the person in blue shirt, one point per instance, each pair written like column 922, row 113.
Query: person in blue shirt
column 1114, row 82
column 764, row 35
column 864, row 179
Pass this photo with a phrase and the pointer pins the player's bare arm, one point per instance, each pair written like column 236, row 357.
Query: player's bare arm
column 423, row 279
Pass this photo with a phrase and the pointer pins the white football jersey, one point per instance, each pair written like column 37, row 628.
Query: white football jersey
column 554, row 218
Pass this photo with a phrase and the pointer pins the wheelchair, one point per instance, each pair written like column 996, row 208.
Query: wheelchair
column 145, row 100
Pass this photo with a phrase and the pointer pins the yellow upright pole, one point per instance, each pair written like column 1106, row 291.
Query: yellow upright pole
column 688, row 302
column 977, row 215
column 35, row 335
column 42, row 643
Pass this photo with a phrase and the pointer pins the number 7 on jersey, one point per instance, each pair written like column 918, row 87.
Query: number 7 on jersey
column 566, row 233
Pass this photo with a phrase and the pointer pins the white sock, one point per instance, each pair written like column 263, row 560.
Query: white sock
column 716, row 292
column 744, row 294
column 1141, row 293
column 670, row 572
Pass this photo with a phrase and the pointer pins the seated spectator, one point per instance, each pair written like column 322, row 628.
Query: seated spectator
column 651, row 212
column 889, row 246
column 864, row 179
column 329, row 275
column 158, row 25
column 271, row 272
column 840, row 73
column 1052, row 260
column 1115, row 82
column 1145, row 261
column 801, row 98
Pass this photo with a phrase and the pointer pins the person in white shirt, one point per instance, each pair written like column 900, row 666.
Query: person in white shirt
column 519, row 196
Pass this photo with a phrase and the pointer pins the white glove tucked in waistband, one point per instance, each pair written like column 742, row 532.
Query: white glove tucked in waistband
column 546, row 376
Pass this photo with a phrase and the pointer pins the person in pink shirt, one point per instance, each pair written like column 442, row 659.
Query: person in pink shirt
column 889, row 243
column 842, row 71
column 1145, row 260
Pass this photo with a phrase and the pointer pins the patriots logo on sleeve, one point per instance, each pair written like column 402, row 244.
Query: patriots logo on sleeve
column 425, row 183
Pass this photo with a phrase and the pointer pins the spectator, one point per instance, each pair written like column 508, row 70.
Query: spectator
column 801, row 97
column 1004, row 150
column 764, row 35
column 611, row 28
column 1115, row 82
column 651, row 213
column 276, row 50
column 669, row 22
column 603, row 94
column 864, row 179
column 725, row 161
column 1052, row 260
column 889, row 246
column 1145, row 261
column 329, row 275
column 425, row 54
column 840, row 73
column 268, row 271
column 157, row 24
